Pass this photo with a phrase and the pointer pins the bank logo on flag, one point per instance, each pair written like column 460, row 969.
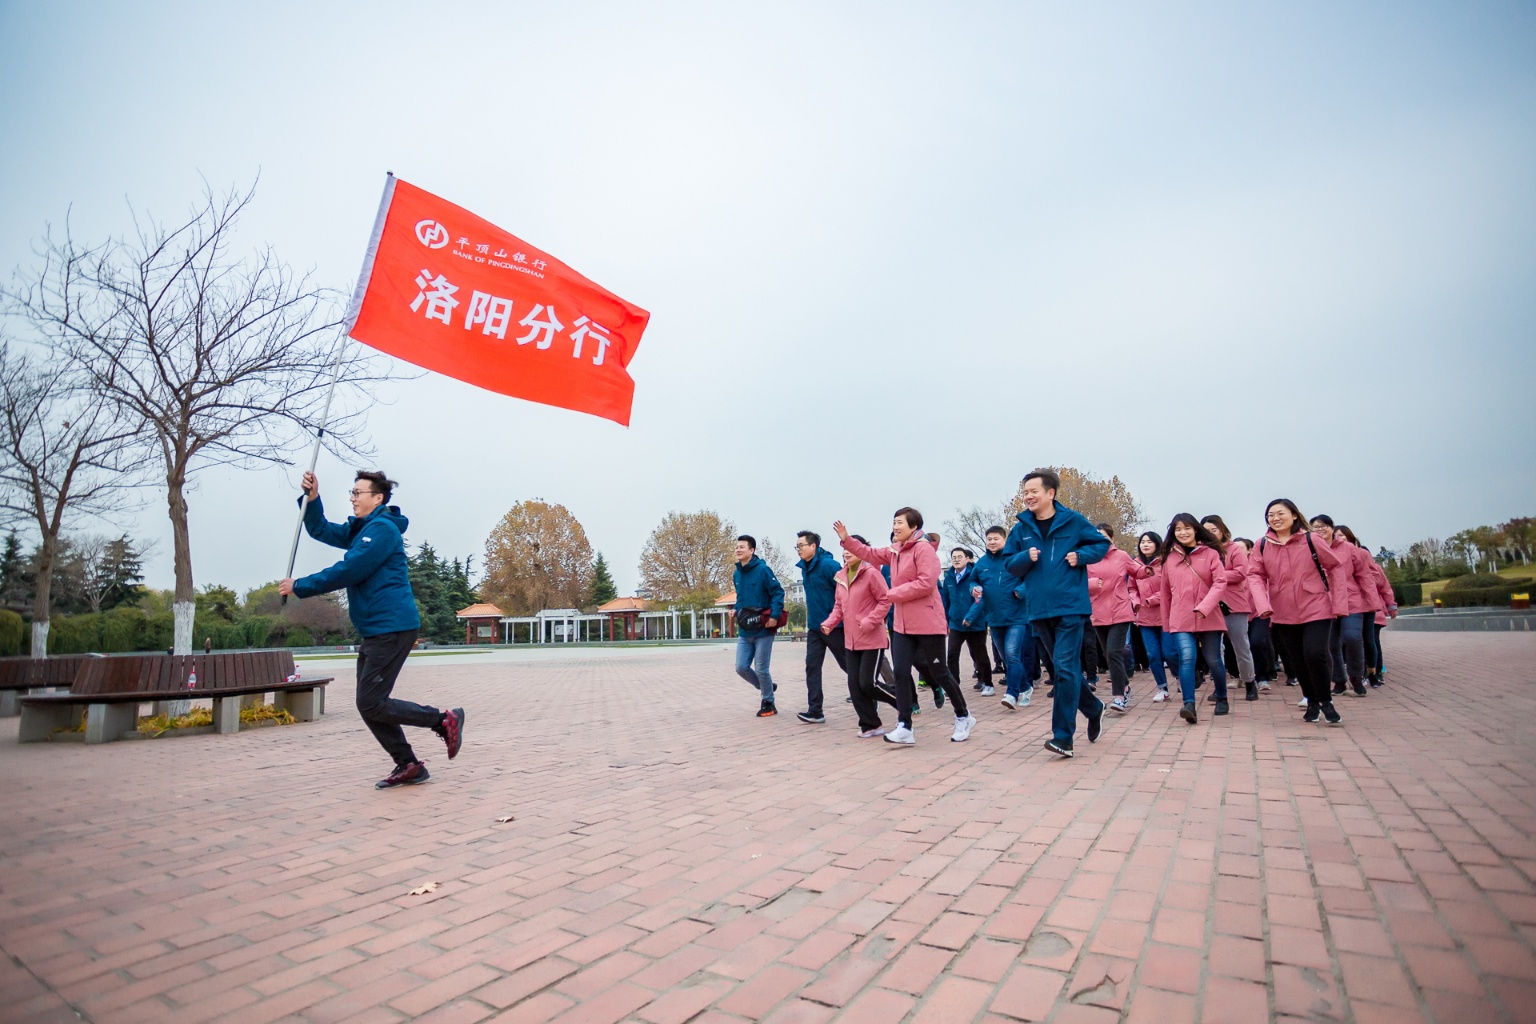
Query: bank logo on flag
column 431, row 234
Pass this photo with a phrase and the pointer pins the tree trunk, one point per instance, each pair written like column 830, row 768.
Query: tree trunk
column 185, row 604
column 44, row 596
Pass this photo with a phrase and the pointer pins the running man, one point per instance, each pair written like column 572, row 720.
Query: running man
column 759, row 611
column 818, row 574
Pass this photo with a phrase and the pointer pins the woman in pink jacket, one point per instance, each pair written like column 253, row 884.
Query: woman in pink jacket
column 920, row 627
column 1290, row 572
column 1194, row 583
column 860, row 600
column 1149, row 611
column 1347, row 653
column 1237, row 605
column 1376, row 595
column 1109, row 589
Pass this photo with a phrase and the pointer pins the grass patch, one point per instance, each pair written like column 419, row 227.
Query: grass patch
column 1509, row 571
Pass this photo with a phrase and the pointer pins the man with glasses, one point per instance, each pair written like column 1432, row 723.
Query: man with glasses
column 818, row 572
column 383, row 611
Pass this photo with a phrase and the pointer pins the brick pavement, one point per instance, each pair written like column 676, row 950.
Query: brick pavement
column 674, row 859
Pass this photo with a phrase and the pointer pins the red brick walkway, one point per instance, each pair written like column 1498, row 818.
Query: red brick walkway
column 674, row 858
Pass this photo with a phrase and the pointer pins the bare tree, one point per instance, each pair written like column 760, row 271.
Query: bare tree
column 108, row 567
column 778, row 560
column 969, row 527
column 687, row 558
column 65, row 454
column 214, row 357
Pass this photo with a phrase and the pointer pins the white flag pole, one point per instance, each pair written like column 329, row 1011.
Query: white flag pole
column 352, row 312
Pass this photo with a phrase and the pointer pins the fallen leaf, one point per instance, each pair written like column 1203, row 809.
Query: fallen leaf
column 424, row 889
column 503, row 821
column 756, row 855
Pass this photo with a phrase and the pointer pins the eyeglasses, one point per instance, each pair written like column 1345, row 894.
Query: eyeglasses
column 358, row 494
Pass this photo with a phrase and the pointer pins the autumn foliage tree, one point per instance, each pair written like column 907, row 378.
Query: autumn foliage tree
column 1100, row 501
column 687, row 558
column 537, row 557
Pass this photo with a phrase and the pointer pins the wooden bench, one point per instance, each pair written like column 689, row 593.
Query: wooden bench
column 19, row 675
column 108, row 692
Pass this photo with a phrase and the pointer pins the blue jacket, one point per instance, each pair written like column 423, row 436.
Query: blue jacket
column 1054, row 587
column 818, row 575
column 955, row 589
column 757, row 587
column 379, row 597
column 890, row 616
column 1002, row 593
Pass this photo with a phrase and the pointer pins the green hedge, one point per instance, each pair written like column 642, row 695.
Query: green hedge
column 1408, row 595
column 1483, row 597
column 1486, row 581
column 13, row 634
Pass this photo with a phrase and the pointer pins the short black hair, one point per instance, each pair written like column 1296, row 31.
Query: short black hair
column 813, row 539
column 1048, row 479
column 964, row 551
column 913, row 517
column 997, row 530
column 1325, row 520
column 751, row 540
column 381, row 484
column 861, row 540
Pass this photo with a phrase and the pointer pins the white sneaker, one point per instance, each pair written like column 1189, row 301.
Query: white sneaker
column 871, row 734
column 901, row 734
column 1160, row 696
column 987, row 691
column 1302, row 703
column 1263, row 685
column 1024, row 697
column 1010, row 702
column 963, row 727
column 1119, row 706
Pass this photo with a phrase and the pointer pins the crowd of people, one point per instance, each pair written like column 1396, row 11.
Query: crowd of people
column 1053, row 598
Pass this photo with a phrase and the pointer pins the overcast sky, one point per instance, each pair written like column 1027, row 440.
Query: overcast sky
column 893, row 254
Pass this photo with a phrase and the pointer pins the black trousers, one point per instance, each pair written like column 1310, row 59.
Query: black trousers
column 817, row 644
column 924, row 651
column 1305, row 647
column 1262, row 644
column 862, row 666
column 379, row 660
column 1112, row 643
column 977, row 643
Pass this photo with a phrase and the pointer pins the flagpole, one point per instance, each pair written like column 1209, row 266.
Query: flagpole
column 314, row 457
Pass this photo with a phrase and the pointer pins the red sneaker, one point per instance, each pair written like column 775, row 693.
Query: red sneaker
column 453, row 731
column 409, row 774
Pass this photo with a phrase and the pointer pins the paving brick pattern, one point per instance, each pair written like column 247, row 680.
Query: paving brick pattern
column 674, row 859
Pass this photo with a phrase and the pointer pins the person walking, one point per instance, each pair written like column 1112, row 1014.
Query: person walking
column 383, row 611
column 1194, row 582
column 1110, row 585
column 999, row 602
column 1149, row 612
column 1291, row 570
column 1237, row 605
column 1265, row 667
column 861, row 598
column 1375, row 660
column 1371, row 594
column 1050, row 548
column 759, row 613
column 920, row 628
column 955, row 592
column 818, row 570
column 1347, row 644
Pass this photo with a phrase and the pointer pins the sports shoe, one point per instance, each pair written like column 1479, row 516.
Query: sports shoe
column 1359, row 688
column 987, row 691
column 1024, row 697
column 1222, row 708
column 884, row 689
column 810, row 719
column 1211, row 697
column 412, row 773
column 767, row 710
column 1251, row 691
column 1095, row 727
column 1161, row 695
column 1119, row 706
column 452, row 731
column 1059, row 749
column 1330, row 715
column 1010, row 702
column 1093, row 685
column 1187, row 712
column 901, row 734
column 1313, row 711
column 1302, row 703
column 870, row 734
column 1338, row 688
column 938, row 696
column 976, row 685
column 963, row 727
column 1263, row 685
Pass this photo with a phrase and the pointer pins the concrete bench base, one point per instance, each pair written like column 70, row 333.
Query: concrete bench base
column 107, row 722
column 39, row 723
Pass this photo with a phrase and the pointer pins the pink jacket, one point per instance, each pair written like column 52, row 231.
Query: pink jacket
column 914, row 582
column 1194, row 582
column 861, row 608
column 1150, row 588
column 1109, row 587
column 1386, row 601
column 1238, row 598
column 1363, row 593
column 1286, row 582
column 1346, row 589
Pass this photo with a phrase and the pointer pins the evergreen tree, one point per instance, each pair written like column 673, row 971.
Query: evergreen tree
column 13, row 588
column 603, row 587
column 120, row 580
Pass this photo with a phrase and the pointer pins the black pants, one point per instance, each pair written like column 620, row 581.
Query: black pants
column 1368, row 636
column 1305, row 648
column 379, row 660
column 1112, row 642
column 817, row 644
column 1263, row 647
column 862, row 667
column 924, row 651
column 1380, row 663
column 977, row 643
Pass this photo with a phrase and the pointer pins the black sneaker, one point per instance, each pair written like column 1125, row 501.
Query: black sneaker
column 452, row 731
column 1312, row 713
column 1222, row 708
column 1359, row 688
column 1338, row 688
column 767, row 710
column 886, row 690
column 1330, row 715
column 1059, row 749
column 1251, row 691
column 938, row 696
column 812, row 719
column 1095, row 727
column 1187, row 712
column 412, row 773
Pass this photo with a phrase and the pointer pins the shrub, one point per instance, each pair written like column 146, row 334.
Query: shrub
column 1407, row 595
column 1483, row 597
column 299, row 636
column 258, row 630
column 159, row 632
column 13, row 633
column 1485, row 581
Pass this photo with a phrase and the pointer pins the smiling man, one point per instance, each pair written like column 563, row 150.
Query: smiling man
column 383, row 611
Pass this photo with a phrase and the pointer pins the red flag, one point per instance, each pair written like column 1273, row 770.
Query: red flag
column 453, row 293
